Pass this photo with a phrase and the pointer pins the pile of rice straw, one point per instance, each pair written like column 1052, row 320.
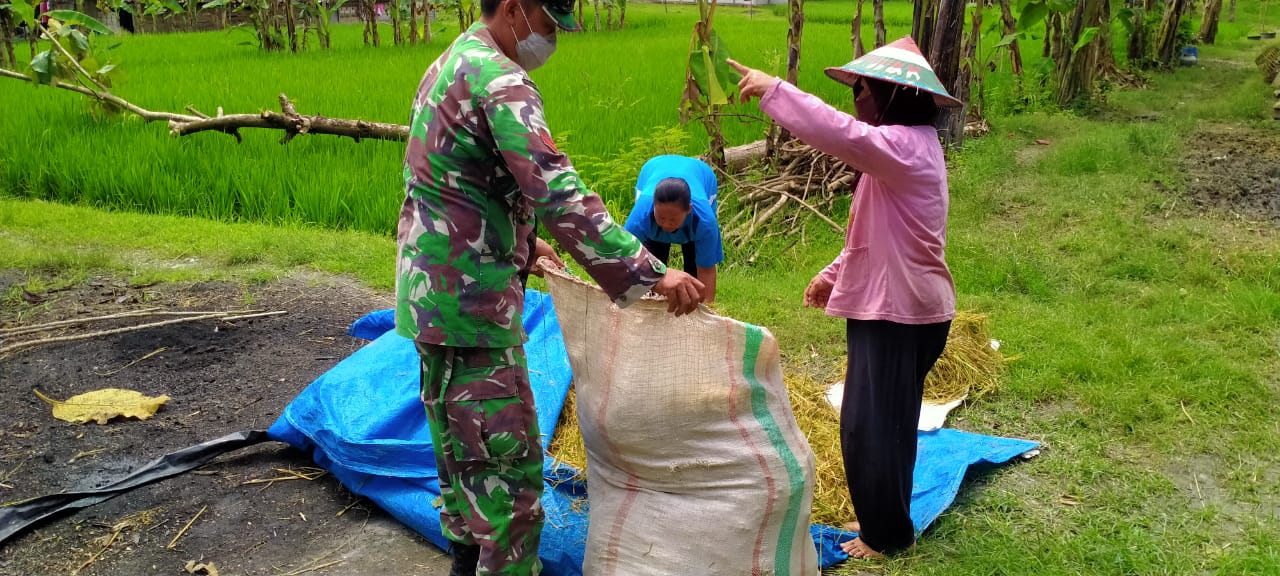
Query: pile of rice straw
column 566, row 445
column 969, row 367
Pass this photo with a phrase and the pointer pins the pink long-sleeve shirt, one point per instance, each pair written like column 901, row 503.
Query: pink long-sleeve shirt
column 892, row 266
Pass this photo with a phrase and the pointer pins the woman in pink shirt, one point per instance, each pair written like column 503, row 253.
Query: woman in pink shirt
column 891, row 281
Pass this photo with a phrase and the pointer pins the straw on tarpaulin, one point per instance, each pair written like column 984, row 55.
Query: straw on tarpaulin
column 969, row 367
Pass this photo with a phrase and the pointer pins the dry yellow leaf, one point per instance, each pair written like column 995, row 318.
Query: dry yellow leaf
column 207, row 569
column 103, row 405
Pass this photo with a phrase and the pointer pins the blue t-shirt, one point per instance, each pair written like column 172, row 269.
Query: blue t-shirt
column 701, row 226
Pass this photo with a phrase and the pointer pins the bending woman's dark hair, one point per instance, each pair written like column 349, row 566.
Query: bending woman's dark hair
column 672, row 191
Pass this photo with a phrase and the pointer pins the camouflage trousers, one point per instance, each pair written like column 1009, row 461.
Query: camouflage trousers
column 488, row 454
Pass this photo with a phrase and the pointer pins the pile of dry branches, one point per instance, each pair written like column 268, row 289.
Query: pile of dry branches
column 806, row 180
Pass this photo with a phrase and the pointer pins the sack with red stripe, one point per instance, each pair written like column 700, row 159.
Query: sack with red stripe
column 695, row 463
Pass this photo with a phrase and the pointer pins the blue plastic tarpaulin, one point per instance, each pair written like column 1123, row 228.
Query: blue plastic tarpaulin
column 364, row 422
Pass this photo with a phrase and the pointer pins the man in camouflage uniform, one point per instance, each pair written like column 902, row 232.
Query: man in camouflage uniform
column 479, row 166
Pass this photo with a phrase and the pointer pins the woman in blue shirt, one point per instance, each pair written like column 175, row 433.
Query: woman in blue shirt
column 676, row 204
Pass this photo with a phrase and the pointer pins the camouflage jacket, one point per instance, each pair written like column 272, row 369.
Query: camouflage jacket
column 479, row 166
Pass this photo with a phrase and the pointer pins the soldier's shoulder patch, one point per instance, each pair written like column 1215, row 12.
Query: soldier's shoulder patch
column 546, row 139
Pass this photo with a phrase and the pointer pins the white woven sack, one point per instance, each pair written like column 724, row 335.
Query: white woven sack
column 695, row 464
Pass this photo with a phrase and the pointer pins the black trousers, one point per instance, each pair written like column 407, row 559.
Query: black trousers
column 878, row 419
column 662, row 251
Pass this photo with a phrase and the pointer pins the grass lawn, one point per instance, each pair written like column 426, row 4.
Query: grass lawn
column 1147, row 332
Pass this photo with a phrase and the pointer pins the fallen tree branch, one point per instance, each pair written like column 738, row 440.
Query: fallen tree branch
column 149, row 354
column 6, row 332
column 84, row 74
column 254, row 315
column 289, row 120
column 306, row 569
column 739, row 157
column 106, row 97
column 218, row 315
column 20, row 330
column 293, row 124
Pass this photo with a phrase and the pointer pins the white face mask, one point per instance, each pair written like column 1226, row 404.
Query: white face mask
column 534, row 51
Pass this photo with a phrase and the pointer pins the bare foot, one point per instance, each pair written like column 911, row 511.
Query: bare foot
column 856, row 548
column 855, row 527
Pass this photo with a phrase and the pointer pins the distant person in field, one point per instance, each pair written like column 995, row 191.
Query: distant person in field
column 479, row 166
column 676, row 204
column 891, row 281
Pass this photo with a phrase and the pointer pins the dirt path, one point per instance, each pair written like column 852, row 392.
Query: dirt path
column 221, row 378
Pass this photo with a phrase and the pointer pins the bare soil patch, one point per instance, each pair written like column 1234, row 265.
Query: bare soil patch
column 1235, row 170
column 221, row 378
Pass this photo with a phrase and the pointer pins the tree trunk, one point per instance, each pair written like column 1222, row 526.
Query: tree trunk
column 1060, row 46
column 1106, row 44
column 931, row 22
column 1077, row 69
column 413, row 22
column 291, row 23
column 581, row 8
column 7, row 58
column 371, row 23
column 922, row 23
column 944, row 51
column 855, row 32
column 1137, row 50
column 306, row 31
column 1209, row 26
column 364, row 17
column 795, row 31
column 1167, row 40
column 258, row 27
column 918, row 8
column 716, row 138
column 917, row 20
column 622, row 15
column 879, row 16
column 1231, row 16
column 710, row 117
column 596, row 6
column 1106, row 61
column 608, row 8
column 1048, row 35
column 426, row 21
column 278, row 22
column 944, row 55
column 971, row 69
column 1011, row 27
column 397, row 30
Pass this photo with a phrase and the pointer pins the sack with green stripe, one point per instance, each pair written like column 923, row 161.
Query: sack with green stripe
column 695, row 462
